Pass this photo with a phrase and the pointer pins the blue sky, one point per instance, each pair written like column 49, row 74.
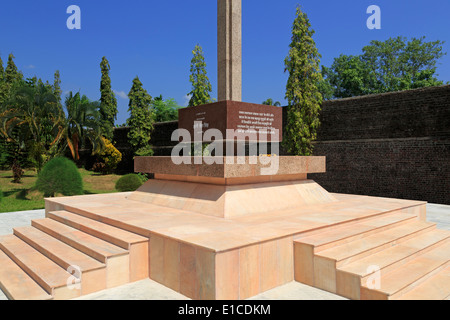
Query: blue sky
column 154, row 40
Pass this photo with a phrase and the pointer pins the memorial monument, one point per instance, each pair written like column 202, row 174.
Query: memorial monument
column 230, row 228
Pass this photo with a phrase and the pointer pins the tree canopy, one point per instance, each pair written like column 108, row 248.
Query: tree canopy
column 201, row 87
column 141, row 118
column 108, row 102
column 302, row 92
column 384, row 66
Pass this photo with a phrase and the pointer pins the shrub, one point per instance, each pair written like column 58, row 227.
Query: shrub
column 145, row 152
column 109, row 156
column 99, row 167
column 60, row 175
column 17, row 172
column 129, row 182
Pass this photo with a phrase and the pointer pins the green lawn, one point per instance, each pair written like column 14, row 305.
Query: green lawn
column 22, row 196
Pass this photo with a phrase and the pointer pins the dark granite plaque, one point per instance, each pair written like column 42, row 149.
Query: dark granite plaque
column 250, row 122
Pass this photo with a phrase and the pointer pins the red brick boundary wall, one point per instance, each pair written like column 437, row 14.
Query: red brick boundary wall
column 390, row 145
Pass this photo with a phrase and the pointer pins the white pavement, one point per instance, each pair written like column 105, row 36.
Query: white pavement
column 150, row 290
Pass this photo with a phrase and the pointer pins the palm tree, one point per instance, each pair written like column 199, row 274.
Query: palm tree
column 82, row 122
column 269, row 102
column 30, row 119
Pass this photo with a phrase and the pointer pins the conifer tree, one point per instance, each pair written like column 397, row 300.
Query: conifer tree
column 302, row 90
column 57, row 88
column 141, row 119
column 201, row 87
column 2, row 71
column 108, row 102
column 12, row 74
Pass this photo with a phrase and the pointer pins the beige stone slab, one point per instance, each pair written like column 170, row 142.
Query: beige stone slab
column 435, row 288
column 249, row 271
column 398, row 253
column 410, row 273
column 205, row 271
column 371, row 244
column 269, row 266
column 57, row 251
column 227, row 275
column 188, row 271
column 90, row 245
column 44, row 271
column 16, row 284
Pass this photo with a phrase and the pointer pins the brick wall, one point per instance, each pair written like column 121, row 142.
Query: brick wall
column 391, row 145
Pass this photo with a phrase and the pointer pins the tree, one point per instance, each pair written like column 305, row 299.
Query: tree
column 57, row 87
column 82, row 123
column 385, row 66
column 201, row 87
column 108, row 102
column 2, row 85
column 2, row 71
column 270, row 102
column 165, row 110
column 31, row 120
column 141, row 119
column 302, row 93
column 12, row 74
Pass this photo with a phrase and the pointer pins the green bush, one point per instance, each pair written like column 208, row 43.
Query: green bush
column 129, row 182
column 110, row 157
column 60, row 175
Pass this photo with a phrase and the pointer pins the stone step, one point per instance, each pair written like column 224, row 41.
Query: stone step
column 417, row 271
column 361, row 248
column 17, row 284
column 91, row 271
column 136, row 245
column 349, row 278
column 116, row 259
column 327, row 261
column 119, row 237
column 436, row 287
column 349, row 232
column 45, row 272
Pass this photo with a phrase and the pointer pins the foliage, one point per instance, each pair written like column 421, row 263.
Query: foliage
column 165, row 110
column 141, row 118
column 57, row 88
column 81, row 123
column 31, row 119
column 129, row 182
column 201, row 87
column 12, row 74
column 1, row 195
column 302, row 93
column 108, row 102
column 110, row 156
column 60, row 176
column 384, row 66
column 146, row 151
column 17, row 172
column 196, row 152
column 270, row 102
column 143, row 176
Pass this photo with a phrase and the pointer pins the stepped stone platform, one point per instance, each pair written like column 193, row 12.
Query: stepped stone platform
column 359, row 247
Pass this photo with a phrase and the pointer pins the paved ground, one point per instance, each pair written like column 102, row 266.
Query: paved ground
column 150, row 290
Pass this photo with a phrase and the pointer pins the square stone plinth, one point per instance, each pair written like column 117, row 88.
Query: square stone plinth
column 230, row 169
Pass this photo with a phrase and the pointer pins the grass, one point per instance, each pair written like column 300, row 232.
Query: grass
column 22, row 196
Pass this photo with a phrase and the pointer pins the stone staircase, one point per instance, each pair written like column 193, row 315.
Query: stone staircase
column 67, row 255
column 392, row 256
